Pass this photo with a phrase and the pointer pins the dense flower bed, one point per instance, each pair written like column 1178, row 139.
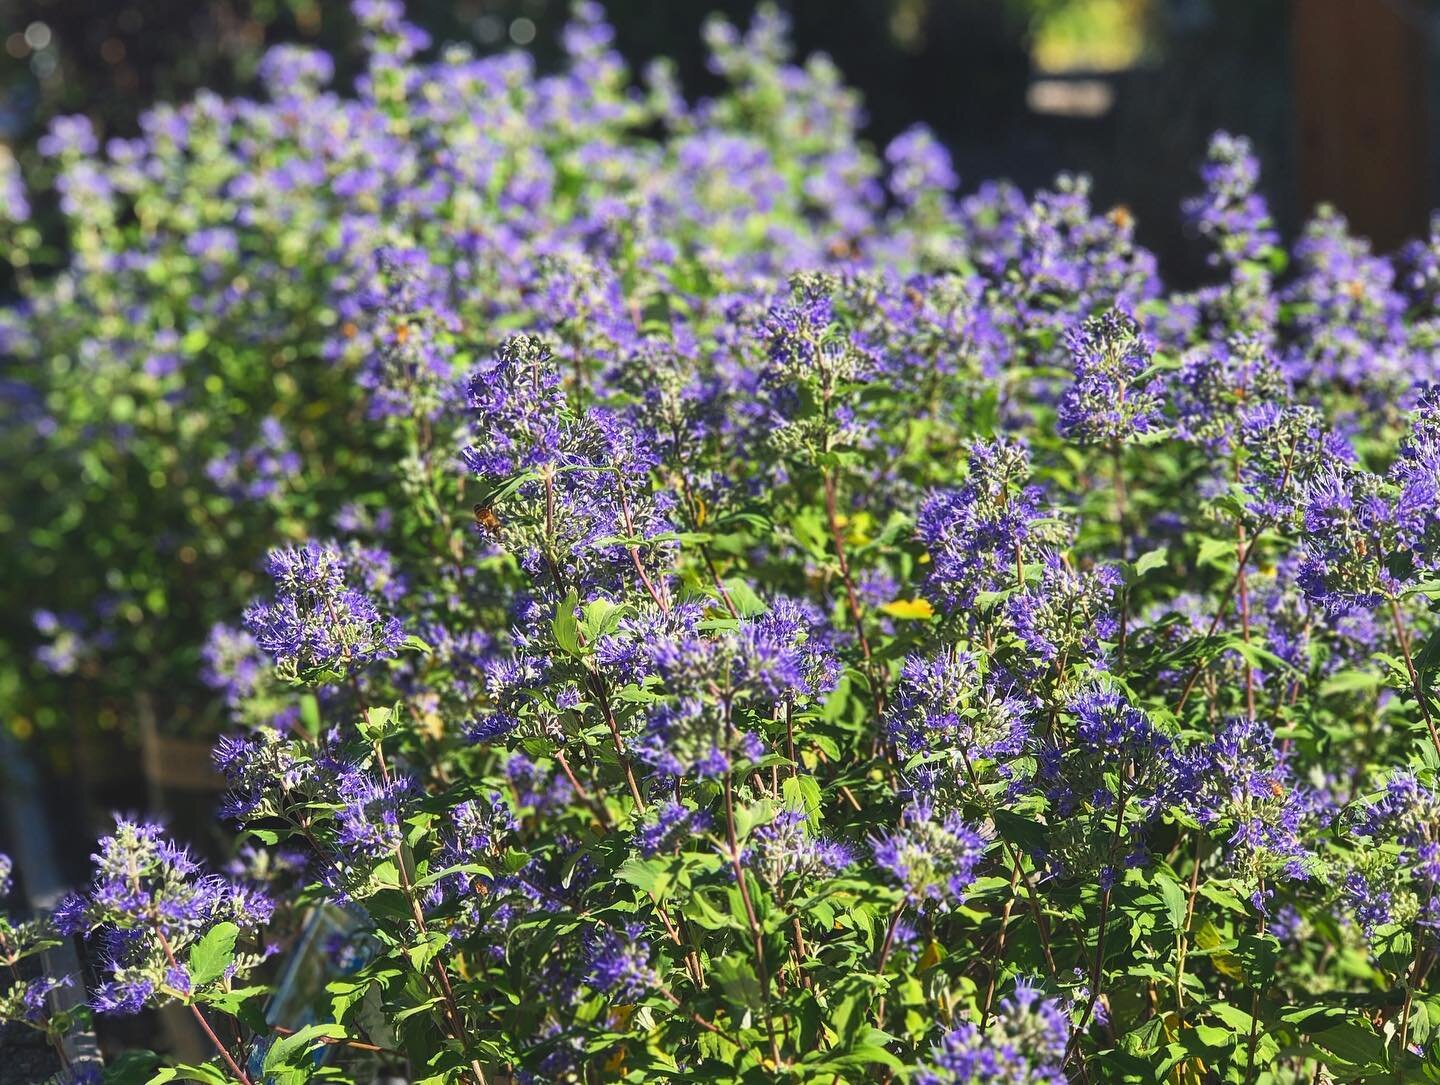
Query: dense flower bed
column 750, row 612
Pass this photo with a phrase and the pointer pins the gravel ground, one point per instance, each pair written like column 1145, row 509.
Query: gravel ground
column 25, row 1057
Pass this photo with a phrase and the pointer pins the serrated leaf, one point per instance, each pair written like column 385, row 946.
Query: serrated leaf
column 213, row 954
column 285, row 1051
column 803, row 793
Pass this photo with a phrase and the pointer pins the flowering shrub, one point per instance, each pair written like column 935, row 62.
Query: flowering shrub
column 25, row 990
column 762, row 615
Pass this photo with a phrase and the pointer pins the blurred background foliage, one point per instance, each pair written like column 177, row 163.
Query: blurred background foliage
column 1127, row 90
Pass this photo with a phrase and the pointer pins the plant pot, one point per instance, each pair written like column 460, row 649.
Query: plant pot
column 170, row 762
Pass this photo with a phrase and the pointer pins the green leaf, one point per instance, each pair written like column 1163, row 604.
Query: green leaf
column 1353, row 1048
column 1219, row 553
column 445, row 872
column 743, row 596
column 413, row 643
column 1145, row 1039
column 431, row 947
column 866, row 1050
column 1428, row 661
column 647, row 875
column 507, row 488
column 232, row 1002
column 601, row 617
column 1151, row 559
column 1174, row 897
column 803, row 793
column 348, row 992
column 310, row 714
column 376, row 724
column 735, row 976
column 565, row 626
column 1029, row 834
column 1349, row 681
column 208, row 1074
column 285, row 1051
column 131, row 1068
column 213, row 954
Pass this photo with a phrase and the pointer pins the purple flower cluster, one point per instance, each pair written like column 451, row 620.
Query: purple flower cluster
column 149, row 902
column 1105, row 787
column 1110, row 401
column 943, row 705
column 259, row 470
column 1394, row 874
column 1067, row 615
column 618, row 964
column 981, row 535
column 318, row 619
column 1027, row 1043
column 933, row 856
column 1231, row 215
column 789, row 847
column 1241, row 781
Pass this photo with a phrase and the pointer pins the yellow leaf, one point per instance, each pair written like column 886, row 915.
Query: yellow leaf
column 1208, row 939
column 931, row 957
column 620, row 1016
column 858, row 527
column 909, row 608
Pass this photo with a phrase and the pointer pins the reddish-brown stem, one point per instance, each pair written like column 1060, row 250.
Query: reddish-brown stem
column 757, row 937
column 992, row 982
column 1244, row 617
column 591, row 803
column 1185, row 930
column 800, row 951
column 708, row 1026
column 1040, row 925
column 1415, row 975
column 790, row 738
column 1235, row 581
column 720, row 588
column 1255, row 1015
column 200, row 1017
column 884, row 958
column 852, row 601
column 1097, row 970
column 1220, row 613
column 452, row 1009
column 661, row 600
column 603, row 696
column 1404, row 637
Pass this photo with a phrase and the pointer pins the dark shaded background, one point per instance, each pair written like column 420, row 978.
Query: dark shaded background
column 1335, row 93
